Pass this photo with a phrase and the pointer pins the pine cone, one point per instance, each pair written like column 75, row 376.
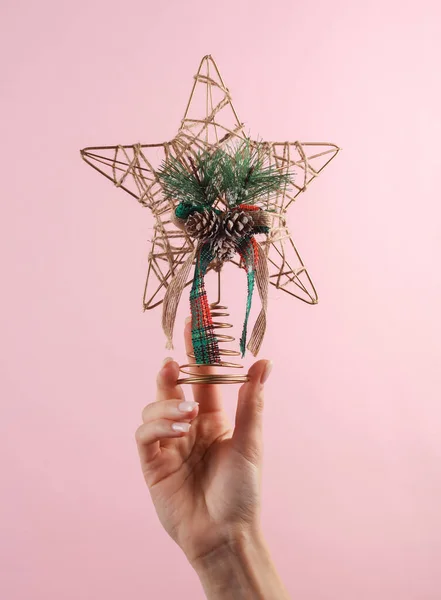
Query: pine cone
column 236, row 225
column 223, row 248
column 203, row 225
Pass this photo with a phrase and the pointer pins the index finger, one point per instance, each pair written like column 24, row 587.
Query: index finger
column 166, row 382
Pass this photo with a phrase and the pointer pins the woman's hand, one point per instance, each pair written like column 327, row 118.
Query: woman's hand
column 204, row 478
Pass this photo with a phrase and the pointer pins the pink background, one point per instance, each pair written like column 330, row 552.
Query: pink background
column 352, row 483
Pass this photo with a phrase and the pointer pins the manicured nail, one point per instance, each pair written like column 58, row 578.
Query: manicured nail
column 187, row 406
column 187, row 320
column 182, row 427
column 166, row 360
column 267, row 371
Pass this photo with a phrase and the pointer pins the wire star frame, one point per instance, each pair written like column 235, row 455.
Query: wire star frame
column 210, row 122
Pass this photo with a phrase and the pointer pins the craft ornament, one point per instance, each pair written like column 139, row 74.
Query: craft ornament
column 211, row 192
column 217, row 196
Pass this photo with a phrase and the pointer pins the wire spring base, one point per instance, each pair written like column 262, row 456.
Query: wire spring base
column 217, row 311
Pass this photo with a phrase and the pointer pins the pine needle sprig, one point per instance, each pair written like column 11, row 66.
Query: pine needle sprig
column 241, row 175
column 247, row 179
column 198, row 184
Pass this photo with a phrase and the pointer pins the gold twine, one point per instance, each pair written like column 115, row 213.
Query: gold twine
column 262, row 279
column 173, row 296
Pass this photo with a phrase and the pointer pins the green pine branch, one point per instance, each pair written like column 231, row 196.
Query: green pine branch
column 246, row 178
column 240, row 175
column 197, row 182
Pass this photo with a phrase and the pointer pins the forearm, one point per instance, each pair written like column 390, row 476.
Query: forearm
column 240, row 570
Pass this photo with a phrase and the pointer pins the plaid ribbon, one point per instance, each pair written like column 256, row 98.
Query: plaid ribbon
column 205, row 345
column 248, row 251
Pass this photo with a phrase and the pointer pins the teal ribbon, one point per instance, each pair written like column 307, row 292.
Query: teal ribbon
column 205, row 344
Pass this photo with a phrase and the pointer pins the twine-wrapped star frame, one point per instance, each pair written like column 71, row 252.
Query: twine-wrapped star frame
column 216, row 196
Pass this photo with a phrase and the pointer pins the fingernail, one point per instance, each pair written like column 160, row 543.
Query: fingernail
column 187, row 320
column 187, row 406
column 166, row 360
column 182, row 427
column 267, row 371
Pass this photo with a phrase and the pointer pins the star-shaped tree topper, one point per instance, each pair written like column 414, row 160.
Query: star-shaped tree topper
column 210, row 122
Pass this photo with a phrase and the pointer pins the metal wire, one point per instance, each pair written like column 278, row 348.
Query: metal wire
column 217, row 311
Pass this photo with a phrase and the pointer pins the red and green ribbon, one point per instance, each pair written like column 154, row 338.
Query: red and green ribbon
column 205, row 344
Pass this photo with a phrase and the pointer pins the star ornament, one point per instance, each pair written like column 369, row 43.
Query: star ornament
column 210, row 123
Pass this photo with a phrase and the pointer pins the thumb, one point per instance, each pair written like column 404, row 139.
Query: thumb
column 247, row 436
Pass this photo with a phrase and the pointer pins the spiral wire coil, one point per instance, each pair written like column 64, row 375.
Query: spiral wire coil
column 217, row 311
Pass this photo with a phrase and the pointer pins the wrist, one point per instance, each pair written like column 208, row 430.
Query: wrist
column 236, row 544
column 240, row 568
